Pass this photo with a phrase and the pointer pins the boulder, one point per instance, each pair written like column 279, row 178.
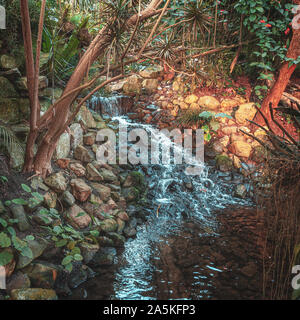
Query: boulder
column 81, row 191
column 68, row 199
column 63, row 146
column 77, row 168
column 57, row 182
column 132, row 85
column 104, row 191
column 241, row 149
column 150, row 85
column 191, row 99
column 93, row 174
column 8, row 62
column 83, row 154
column 22, row 83
column 108, row 175
column 152, row 72
column 33, row 294
column 209, row 103
column 18, row 280
column 18, row 213
column 86, row 117
column 7, row 89
column 50, row 199
column 245, row 112
column 76, row 135
column 77, row 217
column 224, row 163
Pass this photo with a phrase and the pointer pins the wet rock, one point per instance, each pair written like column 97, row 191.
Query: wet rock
column 77, row 217
column 131, row 194
column 78, row 276
column 104, row 257
column 63, row 146
column 88, row 251
column 18, row 213
column 105, row 241
column 109, row 225
column 93, row 174
column 129, row 232
column 77, row 168
column 77, row 135
column 33, row 294
column 37, row 247
column 86, row 116
column 245, row 112
column 68, row 199
column 108, row 175
column 104, row 191
column 18, row 280
column 224, row 163
column 118, row 239
column 240, row 191
column 209, row 103
column 83, row 154
column 50, row 199
column 57, row 182
column 121, row 225
column 241, row 149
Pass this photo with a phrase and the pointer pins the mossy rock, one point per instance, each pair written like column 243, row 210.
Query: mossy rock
column 7, row 90
column 131, row 194
column 224, row 163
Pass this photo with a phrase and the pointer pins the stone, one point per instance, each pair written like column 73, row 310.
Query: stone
column 88, row 251
column 104, row 191
column 63, row 163
column 224, row 163
column 68, row 199
column 241, row 149
column 108, row 175
column 57, row 182
column 109, row 225
column 93, row 174
column 80, row 190
column 209, row 103
column 123, row 216
column 249, row 270
column 63, row 146
column 118, row 239
column 10, row 266
column 42, row 219
column 76, row 135
column 121, row 225
column 191, row 99
column 50, row 199
column 229, row 130
column 224, row 141
column 245, row 112
column 53, row 93
column 77, row 217
column 217, row 147
column 105, row 257
column 22, row 83
column 229, row 104
column 152, row 72
column 18, row 280
column 86, row 116
column 18, row 213
column 240, row 191
column 37, row 247
column 16, row 157
column 83, row 154
column 259, row 154
column 8, row 62
column 37, row 183
column 7, row 89
column 129, row 232
column 78, row 169
column 9, row 110
column 89, row 139
column 132, row 85
column 33, row 294
column 150, row 85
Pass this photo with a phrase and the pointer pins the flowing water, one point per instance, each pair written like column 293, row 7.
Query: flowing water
column 184, row 250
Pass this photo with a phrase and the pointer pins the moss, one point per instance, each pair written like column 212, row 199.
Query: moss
column 223, row 162
column 138, row 180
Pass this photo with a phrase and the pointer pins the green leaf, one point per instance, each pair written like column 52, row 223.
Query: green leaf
column 11, row 231
column 7, row 203
column 67, row 260
column 78, row 257
column 26, row 188
column 5, row 241
column 80, row 214
column 69, row 267
column 205, row 115
column 61, row 243
column 26, row 252
column 3, row 222
column 57, row 229
column 19, row 201
column 94, row 233
column 223, row 115
column 29, row 238
column 37, row 195
column 5, row 258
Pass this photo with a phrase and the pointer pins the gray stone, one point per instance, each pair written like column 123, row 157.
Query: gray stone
column 57, row 182
column 77, row 135
column 7, row 89
column 8, row 62
column 63, row 146
column 83, row 154
column 68, row 199
column 18, row 213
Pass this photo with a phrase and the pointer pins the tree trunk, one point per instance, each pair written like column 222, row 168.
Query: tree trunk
column 282, row 81
column 56, row 118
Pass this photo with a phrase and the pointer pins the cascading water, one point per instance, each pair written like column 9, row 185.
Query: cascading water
column 166, row 259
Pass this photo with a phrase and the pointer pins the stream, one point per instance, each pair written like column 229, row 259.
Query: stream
column 198, row 242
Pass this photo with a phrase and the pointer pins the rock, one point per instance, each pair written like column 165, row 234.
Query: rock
column 89, row 139
column 63, row 163
column 241, row 149
column 41, row 218
column 108, row 175
column 217, row 147
column 130, row 194
column 224, row 141
column 33, row 294
column 83, row 154
column 130, row 232
column 93, row 174
column 78, row 275
column 240, row 191
column 209, row 103
column 121, row 225
column 81, row 191
column 132, row 85
column 16, row 157
column 236, row 162
column 249, row 270
column 224, row 163
column 22, row 83
column 191, row 99
column 50, row 199
column 7, row 89
column 78, row 218
column 104, row 191
column 229, row 104
column 63, row 146
column 115, row 86
column 37, row 183
column 88, row 251
column 37, row 247
column 86, row 116
column 9, row 110
column 109, row 225
column 42, row 274
column 105, row 257
column 10, row 266
column 150, row 85
column 259, row 154
column 53, row 93
column 8, row 62
column 18, row 213
column 245, row 112
column 77, row 135
column 57, row 182
column 78, row 169
column 123, row 216
column 67, row 199
column 229, row 130
column 152, row 72
column 118, row 239
column 18, row 280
